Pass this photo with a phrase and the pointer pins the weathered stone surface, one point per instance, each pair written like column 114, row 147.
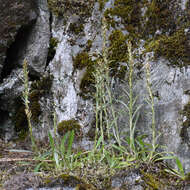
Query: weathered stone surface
column 13, row 15
column 31, row 181
column 35, row 50
column 168, row 86
column 31, row 43
column 79, row 30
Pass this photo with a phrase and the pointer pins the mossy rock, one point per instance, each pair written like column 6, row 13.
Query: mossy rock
column 186, row 124
column 52, row 49
column 63, row 7
column 161, row 25
column 155, row 178
column 76, row 28
column 174, row 47
column 68, row 125
column 118, row 53
column 38, row 89
column 82, row 60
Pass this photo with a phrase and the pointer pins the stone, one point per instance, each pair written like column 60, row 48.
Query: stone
column 14, row 15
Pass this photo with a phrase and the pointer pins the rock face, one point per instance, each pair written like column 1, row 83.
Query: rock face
column 160, row 35
column 170, row 86
column 14, row 15
column 25, row 34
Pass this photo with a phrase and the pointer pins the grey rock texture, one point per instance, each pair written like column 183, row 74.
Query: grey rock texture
column 67, row 101
column 170, row 85
column 14, row 15
column 35, row 50
column 31, row 43
column 74, row 24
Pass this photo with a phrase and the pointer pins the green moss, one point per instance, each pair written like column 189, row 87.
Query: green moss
column 129, row 11
column 172, row 41
column 158, row 17
column 186, row 123
column 43, row 85
column 38, row 89
column 52, row 49
column 63, row 180
column 155, row 178
column 76, row 28
column 57, row 7
column 89, row 45
column 151, row 181
column 102, row 4
column 62, row 7
column 118, row 53
column 68, row 125
column 82, row 60
column 88, row 81
column 20, row 119
column 174, row 47
column 85, row 187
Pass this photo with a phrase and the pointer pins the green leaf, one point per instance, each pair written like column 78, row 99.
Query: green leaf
column 51, row 140
column 99, row 142
column 70, row 143
column 63, row 144
column 180, row 167
column 36, row 169
column 56, row 158
column 163, row 158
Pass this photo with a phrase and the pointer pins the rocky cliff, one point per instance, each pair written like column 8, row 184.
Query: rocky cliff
column 62, row 40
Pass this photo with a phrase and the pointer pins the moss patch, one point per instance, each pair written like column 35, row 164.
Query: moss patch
column 38, row 89
column 62, row 8
column 160, row 23
column 129, row 12
column 102, row 4
column 155, row 178
column 88, row 81
column 118, row 53
column 68, row 125
column 174, row 47
column 82, row 60
column 76, row 28
column 52, row 49
column 158, row 16
column 186, row 123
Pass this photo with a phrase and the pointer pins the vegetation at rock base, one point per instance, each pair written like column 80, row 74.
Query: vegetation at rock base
column 112, row 152
column 68, row 125
column 38, row 89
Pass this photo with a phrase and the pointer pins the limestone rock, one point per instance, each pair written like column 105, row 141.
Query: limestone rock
column 14, row 15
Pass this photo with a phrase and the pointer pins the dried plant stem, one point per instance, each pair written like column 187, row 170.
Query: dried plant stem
column 26, row 103
column 152, row 109
column 131, row 101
